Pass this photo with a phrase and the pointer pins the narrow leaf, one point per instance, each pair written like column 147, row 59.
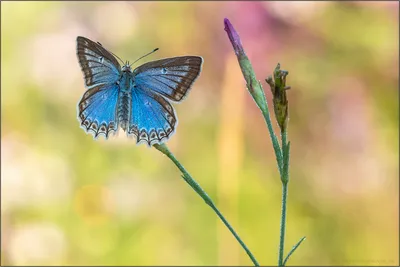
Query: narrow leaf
column 293, row 249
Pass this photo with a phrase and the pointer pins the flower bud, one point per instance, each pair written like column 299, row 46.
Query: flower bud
column 278, row 89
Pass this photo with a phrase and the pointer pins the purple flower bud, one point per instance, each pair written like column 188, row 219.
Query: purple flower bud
column 233, row 37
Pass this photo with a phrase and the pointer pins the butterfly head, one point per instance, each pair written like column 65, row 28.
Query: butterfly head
column 127, row 67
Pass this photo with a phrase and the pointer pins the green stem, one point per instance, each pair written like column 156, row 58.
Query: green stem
column 284, row 140
column 285, row 183
column 196, row 187
column 275, row 143
column 283, row 224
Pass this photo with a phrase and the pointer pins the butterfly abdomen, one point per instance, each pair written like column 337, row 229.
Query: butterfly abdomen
column 123, row 108
column 125, row 98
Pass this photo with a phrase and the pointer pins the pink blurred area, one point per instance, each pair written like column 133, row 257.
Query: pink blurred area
column 69, row 200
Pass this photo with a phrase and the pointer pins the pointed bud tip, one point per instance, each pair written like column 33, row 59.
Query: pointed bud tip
column 227, row 25
column 233, row 37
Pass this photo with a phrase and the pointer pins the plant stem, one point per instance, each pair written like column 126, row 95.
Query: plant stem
column 196, row 187
column 285, row 183
column 284, row 140
column 274, row 140
column 283, row 224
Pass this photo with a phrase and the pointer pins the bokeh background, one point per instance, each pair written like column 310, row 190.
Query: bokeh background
column 69, row 200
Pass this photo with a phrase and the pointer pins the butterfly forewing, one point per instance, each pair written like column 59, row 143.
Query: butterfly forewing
column 98, row 65
column 170, row 77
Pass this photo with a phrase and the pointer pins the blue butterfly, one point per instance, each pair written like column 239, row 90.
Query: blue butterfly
column 136, row 100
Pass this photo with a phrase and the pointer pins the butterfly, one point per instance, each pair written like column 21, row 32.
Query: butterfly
column 139, row 100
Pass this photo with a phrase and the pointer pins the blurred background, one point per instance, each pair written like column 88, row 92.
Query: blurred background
column 69, row 200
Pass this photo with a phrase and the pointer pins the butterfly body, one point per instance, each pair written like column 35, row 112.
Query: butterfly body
column 135, row 100
column 126, row 86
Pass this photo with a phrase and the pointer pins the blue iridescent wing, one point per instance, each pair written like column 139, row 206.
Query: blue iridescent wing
column 98, row 65
column 153, row 118
column 97, row 110
column 170, row 77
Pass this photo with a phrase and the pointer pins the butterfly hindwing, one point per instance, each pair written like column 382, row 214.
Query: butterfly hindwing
column 98, row 65
column 153, row 118
column 170, row 77
column 97, row 110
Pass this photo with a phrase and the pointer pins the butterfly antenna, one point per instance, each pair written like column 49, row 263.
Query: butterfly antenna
column 144, row 56
column 117, row 57
column 112, row 53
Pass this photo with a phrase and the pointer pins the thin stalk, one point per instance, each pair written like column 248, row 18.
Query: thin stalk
column 196, row 187
column 285, row 183
column 284, row 140
column 283, row 224
column 274, row 140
